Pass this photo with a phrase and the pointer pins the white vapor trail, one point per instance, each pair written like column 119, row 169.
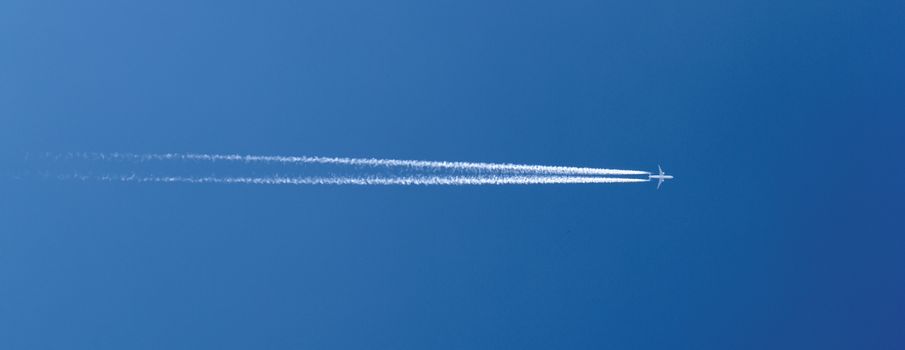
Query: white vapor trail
column 423, row 181
column 374, row 162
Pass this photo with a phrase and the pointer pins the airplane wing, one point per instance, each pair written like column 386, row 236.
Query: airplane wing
column 660, row 169
column 659, row 183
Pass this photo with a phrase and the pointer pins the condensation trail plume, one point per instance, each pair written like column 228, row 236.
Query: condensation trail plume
column 418, row 164
column 422, row 181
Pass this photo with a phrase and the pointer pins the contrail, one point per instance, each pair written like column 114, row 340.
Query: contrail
column 374, row 162
column 364, row 181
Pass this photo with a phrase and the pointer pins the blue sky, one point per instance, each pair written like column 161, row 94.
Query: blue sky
column 781, row 121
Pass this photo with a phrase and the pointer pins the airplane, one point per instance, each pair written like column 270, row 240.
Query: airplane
column 660, row 177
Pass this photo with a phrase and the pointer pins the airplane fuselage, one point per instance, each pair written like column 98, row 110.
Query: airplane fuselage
column 661, row 177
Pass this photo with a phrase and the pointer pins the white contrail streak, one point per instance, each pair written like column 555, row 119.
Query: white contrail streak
column 420, row 164
column 423, row 181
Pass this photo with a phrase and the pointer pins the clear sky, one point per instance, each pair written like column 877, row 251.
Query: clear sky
column 782, row 121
